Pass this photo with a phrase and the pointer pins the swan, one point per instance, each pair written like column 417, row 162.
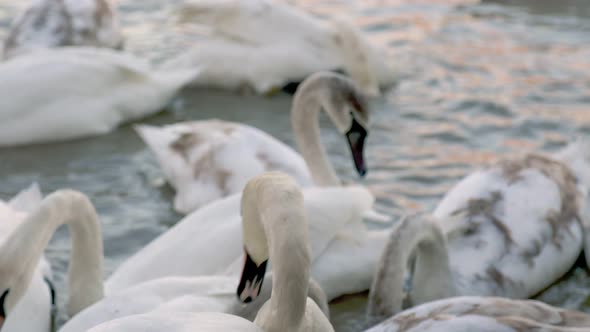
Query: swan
column 510, row 230
column 172, row 294
column 52, row 23
column 344, row 252
column 274, row 222
column 198, row 157
column 25, row 299
column 71, row 92
column 485, row 314
column 281, row 44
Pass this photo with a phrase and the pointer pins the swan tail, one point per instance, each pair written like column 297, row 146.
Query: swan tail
column 178, row 78
column 408, row 237
column 377, row 217
column 28, row 199
column 157, row 139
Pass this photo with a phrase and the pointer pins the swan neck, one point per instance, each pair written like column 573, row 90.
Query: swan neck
column 281, row 215
column 23, row 250
column 432, row 275
column 305, row 122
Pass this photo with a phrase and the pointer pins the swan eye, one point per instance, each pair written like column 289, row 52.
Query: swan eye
column 2, row 308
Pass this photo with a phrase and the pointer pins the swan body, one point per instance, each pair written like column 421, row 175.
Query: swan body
column 510, row 230
column 180, row 294
column 281, row 45
column 198, row 157
column 486, row 314
column 26, row 299
column 66, row 93
column 337, row 234
column 54, row 23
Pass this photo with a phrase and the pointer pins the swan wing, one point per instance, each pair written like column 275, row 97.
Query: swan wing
column 199, row 158
column 484, row 314
column 516, row 225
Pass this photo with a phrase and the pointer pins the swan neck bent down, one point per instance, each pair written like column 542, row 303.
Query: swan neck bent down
column 307, row 103
column 422, row 236
column 275, row 225
column 21, row 252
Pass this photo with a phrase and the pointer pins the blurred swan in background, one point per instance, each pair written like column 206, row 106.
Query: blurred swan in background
column 274, row 222
column 72, row 92
column 263, row 46
column 510, row 230
column 53, row 23
column 485, row 314
column 26, row 300
column 199, row 158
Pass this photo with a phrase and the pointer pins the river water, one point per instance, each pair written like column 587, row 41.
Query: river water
column 477, row 81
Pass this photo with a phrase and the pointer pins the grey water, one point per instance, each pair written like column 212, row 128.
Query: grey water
column 478, row 81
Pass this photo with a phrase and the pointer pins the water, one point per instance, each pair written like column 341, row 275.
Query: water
column 478, row 81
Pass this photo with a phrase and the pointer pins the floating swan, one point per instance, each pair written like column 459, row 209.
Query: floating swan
column 173, row 294
column 510, row 230
column 274, row 225
column 485, row 314
column 198, row 158
column 52, row 23
column 344, row 253
column 25, row 300
column 281, row 45
column 65, row 93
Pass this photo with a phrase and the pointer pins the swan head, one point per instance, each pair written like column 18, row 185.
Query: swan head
column 346, row 106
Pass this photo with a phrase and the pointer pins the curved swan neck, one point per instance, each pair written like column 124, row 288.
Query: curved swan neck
column 431, row 280
column 278, row 210
column 23, row 250
column 305, row 122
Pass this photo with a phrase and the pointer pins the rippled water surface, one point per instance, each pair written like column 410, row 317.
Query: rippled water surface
column 478, row 81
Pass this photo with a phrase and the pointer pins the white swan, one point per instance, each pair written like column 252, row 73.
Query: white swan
column 52, row 23
column 173, row 294
column 510, row 230
column 198, row 157
column 25, row 302
column 275, row 225
column 281, row 45
column 485, row 314
column 344, row 253
column 65, row 93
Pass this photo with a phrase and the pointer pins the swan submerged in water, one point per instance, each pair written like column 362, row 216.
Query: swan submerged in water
column 281, row 46
column 510, row 230
column 26, row 300
column 54, row 23
column 72, row 92
column 198, row 157
column 274, row 219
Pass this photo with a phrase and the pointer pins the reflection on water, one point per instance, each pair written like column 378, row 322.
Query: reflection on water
column 479, row 81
